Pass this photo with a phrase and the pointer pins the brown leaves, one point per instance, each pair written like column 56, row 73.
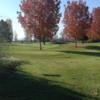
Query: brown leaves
column 40, row 17
column 94, row 32
column 76, row 19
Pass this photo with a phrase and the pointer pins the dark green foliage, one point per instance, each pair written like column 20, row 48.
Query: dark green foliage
column 6, row 33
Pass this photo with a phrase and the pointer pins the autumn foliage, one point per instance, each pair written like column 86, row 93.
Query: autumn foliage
column 76, row 20
column 40, row 18
column 94, row 32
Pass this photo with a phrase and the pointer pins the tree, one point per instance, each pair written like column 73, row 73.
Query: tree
column 94, row 32
column 6, row 33
column 76, row 20
column 40, row 18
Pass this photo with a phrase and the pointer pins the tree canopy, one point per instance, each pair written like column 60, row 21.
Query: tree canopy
column 40, row 17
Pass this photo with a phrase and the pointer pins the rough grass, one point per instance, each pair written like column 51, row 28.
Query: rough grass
column 58, row 72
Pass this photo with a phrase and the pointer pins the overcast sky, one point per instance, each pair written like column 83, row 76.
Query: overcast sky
column 8, row 9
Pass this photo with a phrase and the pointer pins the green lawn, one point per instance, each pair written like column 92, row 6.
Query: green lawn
column 58, row 72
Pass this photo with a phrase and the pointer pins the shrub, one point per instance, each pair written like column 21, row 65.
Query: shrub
column 9, row 64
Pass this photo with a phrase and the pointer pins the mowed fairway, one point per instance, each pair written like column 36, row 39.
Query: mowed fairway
column 58, row 72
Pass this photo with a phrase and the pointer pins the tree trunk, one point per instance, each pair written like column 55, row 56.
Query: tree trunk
column 44, row 42
column 76, row 41
column 83, row 41
column 40, row 43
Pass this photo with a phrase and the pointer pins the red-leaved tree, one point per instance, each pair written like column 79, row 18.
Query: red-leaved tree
column 76, row 20
column 94, row 32
column 40, row 18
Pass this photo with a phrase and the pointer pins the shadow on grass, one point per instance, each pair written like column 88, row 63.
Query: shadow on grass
column 52, row 75
column 22, row 86
column 97, row 54
column 17, row 85
column 93, row 47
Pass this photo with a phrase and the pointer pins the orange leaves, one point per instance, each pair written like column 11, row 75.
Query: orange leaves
column 21, row 20
column 25, row 5
column 76, row 18
column 40, row 17
column 94, row 32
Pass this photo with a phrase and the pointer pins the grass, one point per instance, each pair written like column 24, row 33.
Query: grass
column 58, row 72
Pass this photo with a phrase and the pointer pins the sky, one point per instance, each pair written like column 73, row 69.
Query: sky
column 8, row 9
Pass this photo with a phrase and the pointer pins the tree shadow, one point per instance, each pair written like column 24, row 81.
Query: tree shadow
column 93, row 47
column 52, row 75
column 97, row 54
column 18, row 85
column 22, row 86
